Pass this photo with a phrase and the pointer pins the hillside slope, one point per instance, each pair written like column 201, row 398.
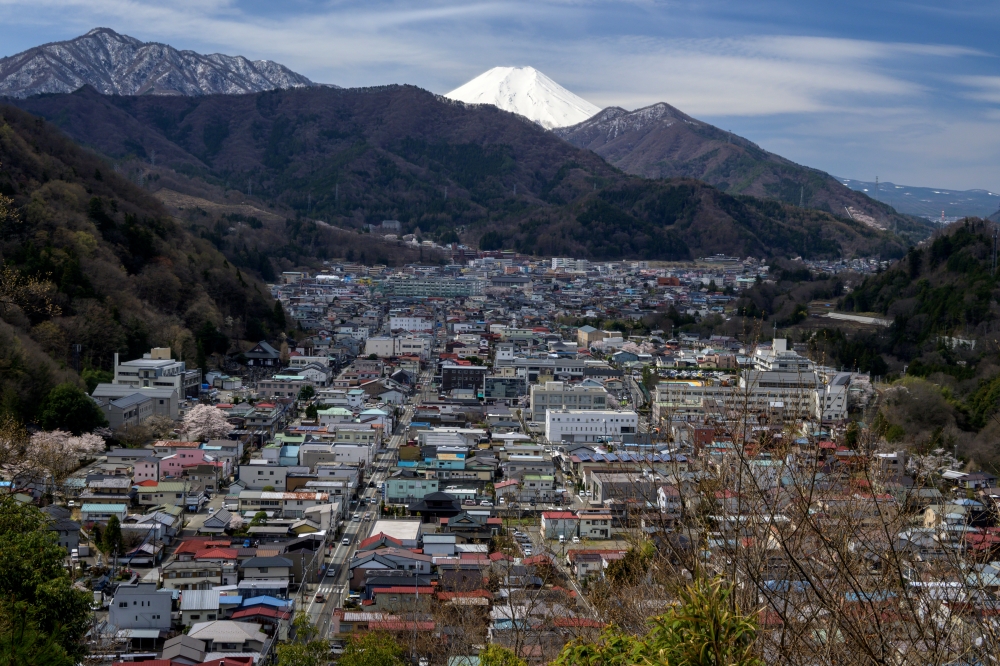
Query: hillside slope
column 660, row 141
column 350, row 157
column 943, row 288
column 123, row 274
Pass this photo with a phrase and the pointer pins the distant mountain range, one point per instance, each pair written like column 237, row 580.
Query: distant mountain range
column 115, row 64
column 445, row 170
column 930, row 202
column 660, row 141
column 526, row 92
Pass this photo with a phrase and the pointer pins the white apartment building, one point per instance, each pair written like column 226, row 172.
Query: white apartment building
column 382, row 346
column 560, row 395
column 158, row 370
column 303, row 361
column 781, row 385
column 413, row 324
column 385, row 346
column 258, row 475
column 413, row 345
column 577, row 425
column 348, row 399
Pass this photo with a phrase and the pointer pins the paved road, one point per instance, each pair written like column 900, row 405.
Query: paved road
column 336, row 589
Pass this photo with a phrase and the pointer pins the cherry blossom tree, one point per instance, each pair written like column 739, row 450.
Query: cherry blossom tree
column 52, row 454
column 205, row 422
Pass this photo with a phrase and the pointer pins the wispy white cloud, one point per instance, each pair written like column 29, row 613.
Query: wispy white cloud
column 984, row 88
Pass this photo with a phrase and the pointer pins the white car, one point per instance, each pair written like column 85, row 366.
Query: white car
column 576, row 539
column 346, row 541
column 486, row 503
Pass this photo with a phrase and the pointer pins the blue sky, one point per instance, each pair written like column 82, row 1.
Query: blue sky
column 907, row 91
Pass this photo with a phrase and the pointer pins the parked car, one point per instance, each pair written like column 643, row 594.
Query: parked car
column 576, row 539
column 486, row 503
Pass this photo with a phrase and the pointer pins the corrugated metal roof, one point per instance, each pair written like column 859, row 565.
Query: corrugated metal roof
column 199, row 599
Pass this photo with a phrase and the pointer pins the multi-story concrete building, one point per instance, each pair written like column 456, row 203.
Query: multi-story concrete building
column 158, row 370
column 560, row 395
column 780, row 385
column 463, row 377
column 574, row 425
column 399, row 345
column 258, row 475
column 426, row 287
column 411, row 323
column 542, row 369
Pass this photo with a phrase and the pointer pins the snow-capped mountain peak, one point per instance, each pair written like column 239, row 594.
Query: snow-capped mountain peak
column 527, row 92
column 116, row 64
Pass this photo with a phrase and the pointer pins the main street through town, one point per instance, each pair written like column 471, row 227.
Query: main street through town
column 333, row 588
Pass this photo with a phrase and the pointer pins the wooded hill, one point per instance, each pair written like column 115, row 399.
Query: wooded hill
column 660, row 141
column 444, row 169
column 124, row 276
column 944, row 302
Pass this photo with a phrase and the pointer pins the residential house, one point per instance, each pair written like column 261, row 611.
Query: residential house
column 557, row 524
column 595, row 526
column 108, row 490
column 67, row 531
column 193, row 574
column 280, row 504
column 199, row 606
column 228, row 636
column 267, row 568
column 164, row 492
column 140, row 606
column 101, row 513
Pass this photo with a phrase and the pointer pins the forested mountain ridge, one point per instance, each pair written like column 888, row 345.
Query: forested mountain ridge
column 660, row 141
column 118, row 64
column 943, row 299
column 121, row 274
column 444, row 169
